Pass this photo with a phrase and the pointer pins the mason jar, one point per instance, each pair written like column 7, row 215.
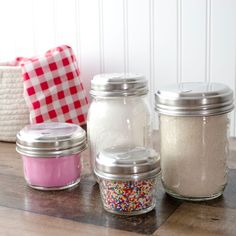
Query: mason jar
column 119, row 113
column 194, row 125
column 127, row 178
column 51, row 154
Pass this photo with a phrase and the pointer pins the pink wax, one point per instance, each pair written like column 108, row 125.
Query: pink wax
column 53, row 172
column 51, row 154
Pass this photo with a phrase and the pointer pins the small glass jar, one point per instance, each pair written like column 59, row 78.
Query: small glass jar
column 127, row 179
column 119, row 113
column 51, row 154
column 194, row 123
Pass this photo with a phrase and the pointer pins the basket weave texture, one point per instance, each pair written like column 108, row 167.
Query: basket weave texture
column 14, row 113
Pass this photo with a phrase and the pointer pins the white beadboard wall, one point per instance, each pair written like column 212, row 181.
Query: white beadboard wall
column 166, row 40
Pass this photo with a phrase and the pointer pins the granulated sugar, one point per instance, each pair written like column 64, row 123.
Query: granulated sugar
column 119, row 121
column 193, row 153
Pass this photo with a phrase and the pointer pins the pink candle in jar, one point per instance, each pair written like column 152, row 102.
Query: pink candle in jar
column 51, row 154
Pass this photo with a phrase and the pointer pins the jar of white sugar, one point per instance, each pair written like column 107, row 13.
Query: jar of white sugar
column 119, row 113
column 194, row 123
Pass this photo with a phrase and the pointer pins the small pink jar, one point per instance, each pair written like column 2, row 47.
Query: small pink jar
column 51, row 154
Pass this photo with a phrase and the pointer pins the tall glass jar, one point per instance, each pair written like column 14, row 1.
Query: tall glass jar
column 194, row 127
column 119, row 113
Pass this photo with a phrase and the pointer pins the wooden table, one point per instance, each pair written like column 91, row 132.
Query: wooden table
column 25, row 211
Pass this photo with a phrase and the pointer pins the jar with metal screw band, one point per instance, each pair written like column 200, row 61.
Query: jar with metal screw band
column 194, row 123
column 51, row 154
column 119, row 113
column 127, row 179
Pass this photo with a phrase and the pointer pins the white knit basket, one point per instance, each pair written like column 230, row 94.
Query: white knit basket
column 14, row 114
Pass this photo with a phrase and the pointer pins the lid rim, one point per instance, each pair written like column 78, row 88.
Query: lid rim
column 122, row 162
column 118, row 85
column 44, row 145
column 48, row 139
column 194, row 99
column 52, row 154
column 114, row 95
column 146, row 175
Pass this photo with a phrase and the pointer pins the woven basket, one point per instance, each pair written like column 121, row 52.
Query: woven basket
column 14, row 114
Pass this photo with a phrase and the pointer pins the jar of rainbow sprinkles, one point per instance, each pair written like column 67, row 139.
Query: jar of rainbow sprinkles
column 127, row 179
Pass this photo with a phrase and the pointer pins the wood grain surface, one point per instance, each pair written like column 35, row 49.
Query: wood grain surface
column 79, row 211
column 195, row 219
column 15, row 222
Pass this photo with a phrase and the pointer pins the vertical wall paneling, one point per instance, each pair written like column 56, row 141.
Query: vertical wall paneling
column 179, row 41
column 23, row 25
column 8, row 38
column 166, row 47
column 168, row 41
column 152, row 58
column 138, row 37
column 43, row 25
column 101, row 36
column 89, row 49
column 223, row 35
column 64, row 18
column 54, row 22
column 126, row 36
column 208, row 65
column 113, row 35
column 156, row 65
column 77, row 32
column 33, row 28
column 193, row 40
column 140, row 41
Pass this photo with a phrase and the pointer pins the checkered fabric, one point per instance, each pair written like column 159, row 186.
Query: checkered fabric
column 52, row 87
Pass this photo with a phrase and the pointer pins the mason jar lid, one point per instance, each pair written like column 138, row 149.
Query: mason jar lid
column 118, row 85
column 194, row 99
column 51, row 139
column 127, row 163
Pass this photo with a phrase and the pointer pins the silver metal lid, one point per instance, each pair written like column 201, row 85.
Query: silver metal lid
column 127, row 163
column 118, row 85
column 51, row 139
column 194, row 99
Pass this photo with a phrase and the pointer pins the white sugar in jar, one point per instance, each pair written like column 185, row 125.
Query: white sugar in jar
column 119, row 113
column 194, row 127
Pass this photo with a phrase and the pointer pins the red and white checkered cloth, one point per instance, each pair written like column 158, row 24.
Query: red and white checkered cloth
column 52, row 87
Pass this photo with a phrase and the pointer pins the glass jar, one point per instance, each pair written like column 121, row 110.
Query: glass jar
column 127, row 179
column 119, row 113
column 51, row 154
column 194, row 127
